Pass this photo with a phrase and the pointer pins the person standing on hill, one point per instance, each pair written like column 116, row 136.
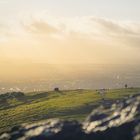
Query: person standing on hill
column 102, row 93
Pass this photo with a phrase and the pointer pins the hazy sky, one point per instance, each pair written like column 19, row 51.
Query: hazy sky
column 116, row 9
column 69, row 31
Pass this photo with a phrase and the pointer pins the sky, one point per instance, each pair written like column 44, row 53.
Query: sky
column 120, row 9
column 69, row 31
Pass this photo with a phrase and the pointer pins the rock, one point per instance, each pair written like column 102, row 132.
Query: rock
column 119, row 121
column 12, row 95
column 51, row 130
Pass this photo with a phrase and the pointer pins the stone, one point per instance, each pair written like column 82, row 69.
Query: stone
column 119, row 121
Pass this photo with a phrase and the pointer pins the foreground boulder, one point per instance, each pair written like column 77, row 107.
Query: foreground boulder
column 117, row 121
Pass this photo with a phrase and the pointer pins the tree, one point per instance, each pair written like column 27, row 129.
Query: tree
column 126, row 86
column 56, row 89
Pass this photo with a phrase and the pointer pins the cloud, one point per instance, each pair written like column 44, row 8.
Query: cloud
column 113, row 27
column 5, row 32
column 121, row 33
column 84, row 25
column 93, row 28
column 41, row 28
column 80, row 39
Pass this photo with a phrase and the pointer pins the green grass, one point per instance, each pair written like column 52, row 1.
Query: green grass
column 73, row 104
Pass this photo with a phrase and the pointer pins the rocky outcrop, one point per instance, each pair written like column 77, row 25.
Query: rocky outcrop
column 12, row 95
column 117, row 121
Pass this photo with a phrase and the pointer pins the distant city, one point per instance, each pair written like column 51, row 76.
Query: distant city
column 77, row 77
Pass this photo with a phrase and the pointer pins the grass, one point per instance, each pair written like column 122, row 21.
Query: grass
column 72, row 104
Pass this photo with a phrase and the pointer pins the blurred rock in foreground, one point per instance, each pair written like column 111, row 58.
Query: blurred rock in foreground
column 119, row 121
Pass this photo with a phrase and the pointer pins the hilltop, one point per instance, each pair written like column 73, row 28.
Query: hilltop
column 18, row 108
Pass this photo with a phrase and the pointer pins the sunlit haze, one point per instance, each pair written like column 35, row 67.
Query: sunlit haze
column 69, row 42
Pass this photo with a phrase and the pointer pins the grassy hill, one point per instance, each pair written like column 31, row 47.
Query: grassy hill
column 37, row 106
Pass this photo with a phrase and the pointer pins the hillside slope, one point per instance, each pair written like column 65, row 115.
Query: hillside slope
column 119, row 121
column 71, row 105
